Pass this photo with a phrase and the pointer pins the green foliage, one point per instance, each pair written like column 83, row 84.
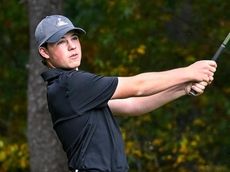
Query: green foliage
column 179, row 139
column 13, row 157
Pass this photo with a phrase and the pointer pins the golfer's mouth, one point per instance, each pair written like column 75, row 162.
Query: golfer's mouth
column 73, row 56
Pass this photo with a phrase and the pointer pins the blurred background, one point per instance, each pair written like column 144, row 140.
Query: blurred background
column 124, row 37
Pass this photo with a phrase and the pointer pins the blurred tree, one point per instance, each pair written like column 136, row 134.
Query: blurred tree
column 46, row 153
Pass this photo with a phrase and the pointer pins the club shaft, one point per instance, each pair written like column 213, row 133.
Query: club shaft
column 227, row 39
column 218, row 52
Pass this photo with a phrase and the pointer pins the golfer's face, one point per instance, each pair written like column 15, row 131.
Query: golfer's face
column 66, row 53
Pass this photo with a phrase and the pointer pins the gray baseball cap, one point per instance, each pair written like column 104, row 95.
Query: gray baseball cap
column 53, row 27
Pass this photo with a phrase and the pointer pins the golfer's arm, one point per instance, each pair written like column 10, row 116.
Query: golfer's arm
column 147, row 84
column 135, row 106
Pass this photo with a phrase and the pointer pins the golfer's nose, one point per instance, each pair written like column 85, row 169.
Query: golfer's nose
column 71, row 45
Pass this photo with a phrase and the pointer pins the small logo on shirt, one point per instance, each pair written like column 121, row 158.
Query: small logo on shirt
column 61, row 22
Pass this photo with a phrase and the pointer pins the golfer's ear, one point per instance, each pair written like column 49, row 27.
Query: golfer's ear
column 44, row 52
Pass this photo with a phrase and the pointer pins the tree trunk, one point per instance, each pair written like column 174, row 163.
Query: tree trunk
column 46, row 154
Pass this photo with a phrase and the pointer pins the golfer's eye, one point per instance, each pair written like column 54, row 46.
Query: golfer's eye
column 61, row 41
column 75, row 37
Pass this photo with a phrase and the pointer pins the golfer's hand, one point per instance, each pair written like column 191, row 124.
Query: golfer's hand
column 202, row 71
column 197, row 87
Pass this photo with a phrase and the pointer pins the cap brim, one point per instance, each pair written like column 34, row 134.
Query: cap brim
column 58, row 35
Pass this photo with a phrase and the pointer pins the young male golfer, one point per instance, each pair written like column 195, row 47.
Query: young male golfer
column 83, row 104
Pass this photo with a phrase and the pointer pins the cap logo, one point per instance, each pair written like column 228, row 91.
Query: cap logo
column 61, row 22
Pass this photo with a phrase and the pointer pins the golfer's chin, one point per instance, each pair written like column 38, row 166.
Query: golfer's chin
column 74, row 65
column 67, row 65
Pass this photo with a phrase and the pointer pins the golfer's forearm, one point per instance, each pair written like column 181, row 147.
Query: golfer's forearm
column 154, row 82
column 141, row 105
column 147, row 104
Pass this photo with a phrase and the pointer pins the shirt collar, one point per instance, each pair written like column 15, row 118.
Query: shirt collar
column 52, row 73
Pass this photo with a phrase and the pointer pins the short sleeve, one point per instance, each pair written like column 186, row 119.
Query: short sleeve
column 88, row 91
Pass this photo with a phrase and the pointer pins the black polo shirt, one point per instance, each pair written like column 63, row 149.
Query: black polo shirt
column 81, row 117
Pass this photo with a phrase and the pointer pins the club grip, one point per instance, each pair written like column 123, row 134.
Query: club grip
column 193, row 93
